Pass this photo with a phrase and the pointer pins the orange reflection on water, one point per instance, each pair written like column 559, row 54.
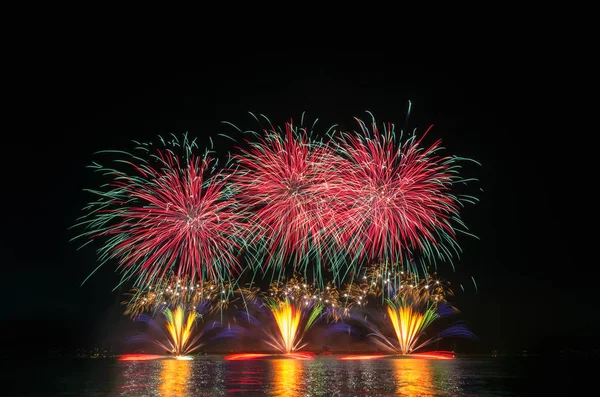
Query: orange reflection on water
column 413, row 377
column 287, row 377
column 174, row 376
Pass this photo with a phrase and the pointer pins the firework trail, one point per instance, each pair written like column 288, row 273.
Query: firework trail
column 396, row 197
column 162, row 212
column 283, row 180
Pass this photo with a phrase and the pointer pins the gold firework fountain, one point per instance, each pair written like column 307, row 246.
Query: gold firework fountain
column 180, row 327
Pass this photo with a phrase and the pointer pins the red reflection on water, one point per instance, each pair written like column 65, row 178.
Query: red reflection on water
column 437, row 355
column 139, row 357
column 250, row 382
column 363, row 357
column 259, row 356
column 245, row 356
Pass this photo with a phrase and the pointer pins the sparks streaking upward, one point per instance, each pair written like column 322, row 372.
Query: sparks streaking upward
column 397, row 202
column 283, row 180
column 293, row 320
column 165, row 213
column 180, row 338
column 182, row 331
column 410, row 313
column 287, row 310
column 179, row 326
column 408, row 323
column 411, row 308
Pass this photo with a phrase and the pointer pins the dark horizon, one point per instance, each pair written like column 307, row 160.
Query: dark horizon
column 482, row 108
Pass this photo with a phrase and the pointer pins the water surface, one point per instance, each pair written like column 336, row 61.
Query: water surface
column 211, row 376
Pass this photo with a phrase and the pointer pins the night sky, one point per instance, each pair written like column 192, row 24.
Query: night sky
column 491, row 108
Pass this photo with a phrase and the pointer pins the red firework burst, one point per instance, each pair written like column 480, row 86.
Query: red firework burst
column 176, row 217
column 395, row 196
column 283, row 179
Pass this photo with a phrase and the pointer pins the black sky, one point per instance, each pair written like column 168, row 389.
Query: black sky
column 494, row 108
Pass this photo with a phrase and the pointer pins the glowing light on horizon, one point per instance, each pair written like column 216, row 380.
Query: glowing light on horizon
column 139, row 357
column 245, row 356
column 362, row 357
column 258, row 356
column 435, row 355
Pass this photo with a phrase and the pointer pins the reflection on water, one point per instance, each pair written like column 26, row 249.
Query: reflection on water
column 243, row 377
column 287, row 376
column 211, row 376
column 413, row 377
column 174, row 375
column 135, row 378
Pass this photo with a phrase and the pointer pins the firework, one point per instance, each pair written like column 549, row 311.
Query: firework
column 380, row 281
column 409, row 318
column 178, row 336
column 173, row 291
column 393, row 282
column 409, row 322
column 165, row 212
column 179, row 327
column 411, row 308
column 395, row 198
column 298, row 291
column 352, row 295
column 291, row 307
column 283, row 180
column 293, row 320
column 181, row 334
